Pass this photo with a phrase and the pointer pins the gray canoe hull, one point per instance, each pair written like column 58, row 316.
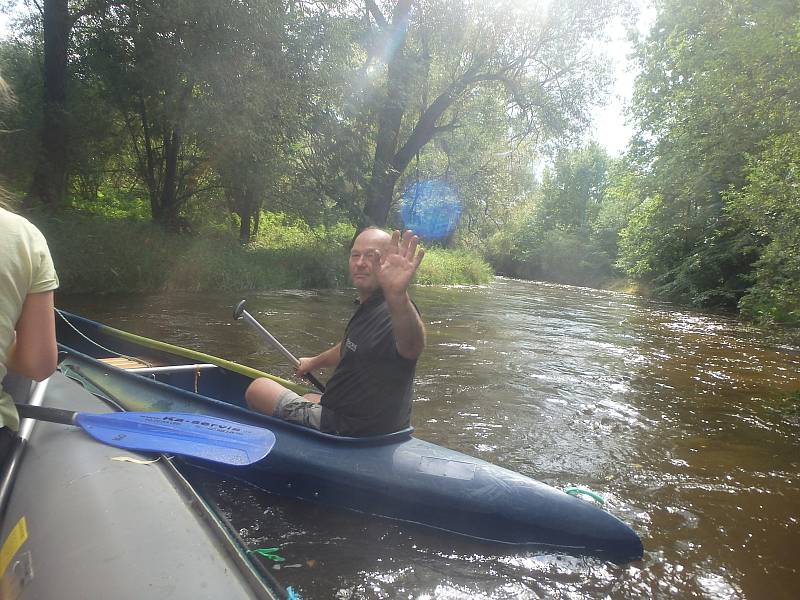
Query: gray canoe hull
column 100, row 528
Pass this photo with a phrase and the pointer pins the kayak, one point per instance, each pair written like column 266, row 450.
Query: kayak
column 396, row 476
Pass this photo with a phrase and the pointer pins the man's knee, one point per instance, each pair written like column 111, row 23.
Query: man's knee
column 262, row 395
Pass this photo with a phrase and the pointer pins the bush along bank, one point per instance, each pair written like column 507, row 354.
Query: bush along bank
column 104, row 255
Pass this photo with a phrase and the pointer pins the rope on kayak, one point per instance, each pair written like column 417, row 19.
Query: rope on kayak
column 91, row 341
column 576, row 491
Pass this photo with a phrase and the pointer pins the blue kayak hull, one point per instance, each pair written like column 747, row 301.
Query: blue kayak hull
column 395, row 476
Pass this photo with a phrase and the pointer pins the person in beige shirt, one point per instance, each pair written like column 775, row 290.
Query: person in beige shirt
column 27, row 323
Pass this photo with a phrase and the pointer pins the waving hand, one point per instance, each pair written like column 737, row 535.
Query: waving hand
column 399, row 263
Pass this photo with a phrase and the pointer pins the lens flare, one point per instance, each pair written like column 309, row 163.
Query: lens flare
column 430, row 208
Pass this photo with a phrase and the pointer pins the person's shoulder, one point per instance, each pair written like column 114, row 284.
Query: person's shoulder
column 12, row 220
column 12, row 223
column 9, row 218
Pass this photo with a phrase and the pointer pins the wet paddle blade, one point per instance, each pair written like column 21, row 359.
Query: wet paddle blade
column 199, row 436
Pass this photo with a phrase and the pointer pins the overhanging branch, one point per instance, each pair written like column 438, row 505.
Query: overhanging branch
column 376, row 14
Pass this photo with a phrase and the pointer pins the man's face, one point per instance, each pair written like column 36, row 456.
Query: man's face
column 365, row 257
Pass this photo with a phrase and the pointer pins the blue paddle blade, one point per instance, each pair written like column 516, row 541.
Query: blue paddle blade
column 200, row 436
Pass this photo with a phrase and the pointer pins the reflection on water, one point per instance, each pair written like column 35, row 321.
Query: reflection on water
column 676, row 417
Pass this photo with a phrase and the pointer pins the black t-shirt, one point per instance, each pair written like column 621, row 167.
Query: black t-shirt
column 370, row 391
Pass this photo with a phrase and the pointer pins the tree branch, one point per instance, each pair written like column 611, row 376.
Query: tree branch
column 451, row 126
column 93, row 8
column 426, row 128
column 376, row 14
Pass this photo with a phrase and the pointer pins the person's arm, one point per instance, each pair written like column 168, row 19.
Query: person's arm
column 329, row 358
column 395, row 272
column 408, row 329
column 34, row 353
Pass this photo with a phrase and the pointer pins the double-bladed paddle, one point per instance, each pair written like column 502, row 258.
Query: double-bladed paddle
column 240, row 313
column 199, row 436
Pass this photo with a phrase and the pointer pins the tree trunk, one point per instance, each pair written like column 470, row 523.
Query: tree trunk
column 148, row 162
column 50, row 177
column 384, row 175
column 245, row 212
column 256, row 221
column 169, row 201
column 380, row 195
column 380, row 191
column 248, row 206
column 245, row 222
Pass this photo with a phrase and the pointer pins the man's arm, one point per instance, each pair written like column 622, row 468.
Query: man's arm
column 34, row 354
column 395, row 272
column 329, row 358
column 408, row 329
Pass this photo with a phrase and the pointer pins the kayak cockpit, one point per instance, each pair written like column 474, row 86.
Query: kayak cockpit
column 195, row 387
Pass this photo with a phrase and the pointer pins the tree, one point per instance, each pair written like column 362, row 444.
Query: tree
column 718, row 79
column 770, row 206
column 486, row 173
column 621, row 196
column 428, row 59
column 147, row 55
column 198, row 86
column 552, row 233
column 19, row 151
column 49, row 182
column 317, row 137
column 574, row 188
column 246, row 104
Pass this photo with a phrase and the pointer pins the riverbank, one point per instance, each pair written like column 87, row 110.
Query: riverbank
column 97, row 254
column 102, row 254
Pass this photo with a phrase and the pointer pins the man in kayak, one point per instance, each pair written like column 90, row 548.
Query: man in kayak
column 371, row 387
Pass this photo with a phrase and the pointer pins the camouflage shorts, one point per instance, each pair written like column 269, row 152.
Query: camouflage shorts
column 295, row 408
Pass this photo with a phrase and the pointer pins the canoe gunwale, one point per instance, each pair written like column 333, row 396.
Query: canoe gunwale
column 260, row 579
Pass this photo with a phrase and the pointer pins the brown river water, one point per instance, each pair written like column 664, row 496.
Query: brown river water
column 678, row 418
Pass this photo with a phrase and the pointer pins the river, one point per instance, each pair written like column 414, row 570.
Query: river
column 678, row 418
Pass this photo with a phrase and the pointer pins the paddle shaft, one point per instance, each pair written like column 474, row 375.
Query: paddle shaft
column 241, row 313
column 44, row 413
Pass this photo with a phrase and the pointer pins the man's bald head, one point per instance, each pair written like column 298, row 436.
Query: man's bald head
column 365, row 257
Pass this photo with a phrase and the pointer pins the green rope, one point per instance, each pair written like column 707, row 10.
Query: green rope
column 576, row 491
column 270, row 553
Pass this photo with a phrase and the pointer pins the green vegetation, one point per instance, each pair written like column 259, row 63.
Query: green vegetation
column 99, row 254
column 716, row 158
column 704, row 208
column 563, row 231
column 239, row 145
column 453, row 267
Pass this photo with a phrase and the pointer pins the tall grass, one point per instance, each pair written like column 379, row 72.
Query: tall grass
column 95, row 254
column 100, row 255
column 453, row 267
